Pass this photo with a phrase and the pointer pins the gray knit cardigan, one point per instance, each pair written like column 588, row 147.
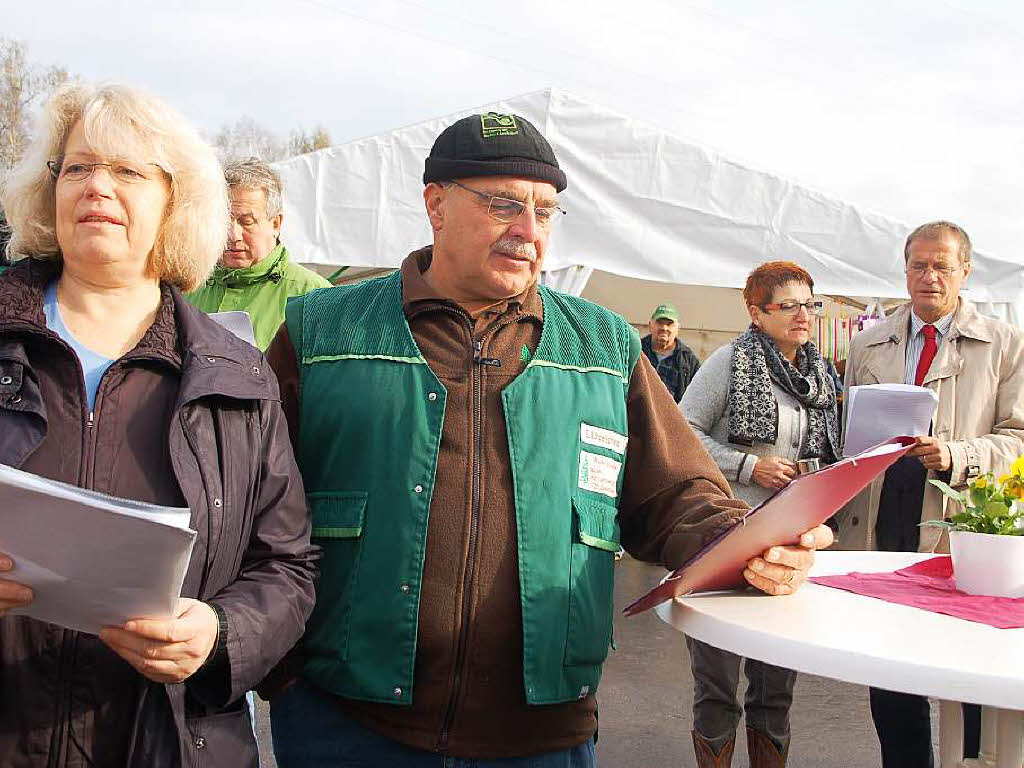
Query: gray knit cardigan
column 705, row 405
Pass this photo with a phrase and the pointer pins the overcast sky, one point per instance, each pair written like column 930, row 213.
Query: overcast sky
column 909, row 108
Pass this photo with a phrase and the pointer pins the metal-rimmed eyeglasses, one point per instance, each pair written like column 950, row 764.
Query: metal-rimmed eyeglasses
column 122, row 171
column 941, row 270
column 814, row 306
column 506, row 211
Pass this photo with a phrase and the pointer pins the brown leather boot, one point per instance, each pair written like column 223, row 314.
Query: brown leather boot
column 763, row 752
column 706, row 757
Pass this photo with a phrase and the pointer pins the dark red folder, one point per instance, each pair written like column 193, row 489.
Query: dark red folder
column 806, row 502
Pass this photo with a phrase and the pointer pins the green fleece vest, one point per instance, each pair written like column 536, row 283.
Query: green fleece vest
column 371, row 419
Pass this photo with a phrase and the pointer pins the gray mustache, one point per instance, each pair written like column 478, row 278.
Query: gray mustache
column 514, row 247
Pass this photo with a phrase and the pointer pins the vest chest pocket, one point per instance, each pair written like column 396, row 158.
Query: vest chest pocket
column 338, row 518
column 594, row 543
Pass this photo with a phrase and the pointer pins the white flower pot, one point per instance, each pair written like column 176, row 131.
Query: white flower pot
column 986, row 564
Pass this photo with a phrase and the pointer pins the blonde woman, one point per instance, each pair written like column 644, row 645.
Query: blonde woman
column 109, row 380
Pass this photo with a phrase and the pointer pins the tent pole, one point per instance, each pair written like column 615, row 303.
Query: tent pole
column 334, row 276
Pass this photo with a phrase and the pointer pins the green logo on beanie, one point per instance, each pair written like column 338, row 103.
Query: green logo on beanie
column 493, row 124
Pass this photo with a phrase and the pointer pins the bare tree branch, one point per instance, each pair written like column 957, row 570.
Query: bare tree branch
column 23, row 84
column 247, row 138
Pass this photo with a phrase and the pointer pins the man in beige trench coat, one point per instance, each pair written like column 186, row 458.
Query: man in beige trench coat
column 975, row 365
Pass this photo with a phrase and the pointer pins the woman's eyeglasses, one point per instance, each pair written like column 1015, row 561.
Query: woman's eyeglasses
column 121, row 171
column 813, row 307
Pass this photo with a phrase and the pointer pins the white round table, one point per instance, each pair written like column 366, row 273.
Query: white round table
column 838, row 634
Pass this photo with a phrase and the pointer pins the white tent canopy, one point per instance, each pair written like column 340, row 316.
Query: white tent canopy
column 642, row 203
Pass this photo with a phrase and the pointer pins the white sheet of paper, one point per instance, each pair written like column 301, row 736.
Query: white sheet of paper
column 236, row 321
column 879, row 412
column 91, row 559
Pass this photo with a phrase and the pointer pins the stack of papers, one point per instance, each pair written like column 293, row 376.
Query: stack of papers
column 238, row 322
column 92, row 560
column 879, row 412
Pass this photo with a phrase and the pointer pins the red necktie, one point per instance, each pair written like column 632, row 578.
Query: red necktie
column 927, row 354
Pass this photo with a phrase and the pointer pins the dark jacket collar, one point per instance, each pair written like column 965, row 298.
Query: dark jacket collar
column 21, row 291
column 21, row 305
column 212, row 359
column 216, row 362
column 647, row 344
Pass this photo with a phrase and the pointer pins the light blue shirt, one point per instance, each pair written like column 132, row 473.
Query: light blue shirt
column 915, row 344
column 93, row 365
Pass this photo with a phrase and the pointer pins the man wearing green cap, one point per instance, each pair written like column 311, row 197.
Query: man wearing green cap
column 462, row 433
column 672, row 359
column 255, row 274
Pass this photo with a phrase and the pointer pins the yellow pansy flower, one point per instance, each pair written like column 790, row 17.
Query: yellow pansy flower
column 1017, row 468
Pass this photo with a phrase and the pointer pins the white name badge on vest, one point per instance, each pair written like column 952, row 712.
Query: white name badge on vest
column 603, row 438
column 599, row 474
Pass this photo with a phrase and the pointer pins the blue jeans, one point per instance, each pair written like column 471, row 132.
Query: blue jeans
column 311, row 730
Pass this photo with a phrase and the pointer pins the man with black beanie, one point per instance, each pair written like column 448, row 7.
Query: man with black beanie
column 462, row 432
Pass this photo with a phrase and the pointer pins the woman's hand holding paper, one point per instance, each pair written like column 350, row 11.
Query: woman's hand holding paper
column 12, row 594
column 773, row 472
column 166, row 650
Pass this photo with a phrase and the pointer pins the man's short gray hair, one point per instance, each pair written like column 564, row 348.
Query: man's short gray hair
column 934, row 230
column 253, row 173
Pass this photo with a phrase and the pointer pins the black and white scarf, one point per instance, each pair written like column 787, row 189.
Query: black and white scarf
column 753, row 409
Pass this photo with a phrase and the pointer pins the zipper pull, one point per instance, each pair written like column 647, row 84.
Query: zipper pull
column 478, row 359
column 89, row 421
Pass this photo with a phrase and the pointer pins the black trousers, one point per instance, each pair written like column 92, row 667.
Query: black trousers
column 903, row 720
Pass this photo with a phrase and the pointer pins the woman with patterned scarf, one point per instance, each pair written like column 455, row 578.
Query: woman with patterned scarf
column 759, row 405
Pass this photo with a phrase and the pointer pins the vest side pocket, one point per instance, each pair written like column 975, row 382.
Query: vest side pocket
column 338, row 519
column 591, row 582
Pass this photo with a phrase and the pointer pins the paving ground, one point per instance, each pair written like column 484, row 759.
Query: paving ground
column 646, row 695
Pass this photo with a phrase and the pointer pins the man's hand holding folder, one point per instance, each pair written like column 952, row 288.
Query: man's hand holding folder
column 780, row 570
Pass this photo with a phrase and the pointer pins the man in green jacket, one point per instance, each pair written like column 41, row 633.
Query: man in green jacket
column 475, row 447
column 255, row 274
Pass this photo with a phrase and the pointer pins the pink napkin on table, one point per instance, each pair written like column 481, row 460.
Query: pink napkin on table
column 929, row 585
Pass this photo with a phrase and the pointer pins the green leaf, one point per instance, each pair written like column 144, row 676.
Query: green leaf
column 1007, row 528
column 978, row 496
column 1010, row 526
column 994, row 509
column 953, row 494
column 947, row 524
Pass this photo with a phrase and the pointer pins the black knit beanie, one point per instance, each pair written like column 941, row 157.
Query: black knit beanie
column 492, row 145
